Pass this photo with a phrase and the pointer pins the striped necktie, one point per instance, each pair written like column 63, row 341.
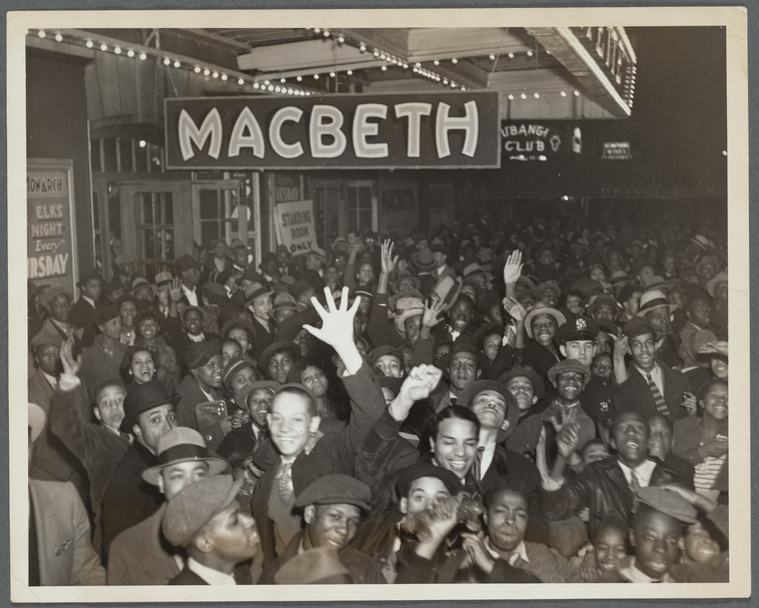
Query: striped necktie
column 661, row 405
column 477, row 464
column 286, row 482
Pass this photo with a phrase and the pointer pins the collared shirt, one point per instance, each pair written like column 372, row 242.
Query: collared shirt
column 643, row 471
column 520, row 551
column 634, row 575
column 89, row 301
column 191, row 295
column 454, row 334
column 209, row 575
column 51, row 379
column 199, row 338
column 488, row 453
column 656, row 375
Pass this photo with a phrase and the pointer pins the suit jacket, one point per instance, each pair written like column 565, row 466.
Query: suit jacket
column 66, row 556
column 128, row 499
column 141, row 555
column 187, row 577
column 634, row 394
column 191, row 395
column 98, row 366
column 83, row 315
column 687, row 440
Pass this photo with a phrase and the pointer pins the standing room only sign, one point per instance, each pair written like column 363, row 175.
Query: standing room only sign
column 371, row 131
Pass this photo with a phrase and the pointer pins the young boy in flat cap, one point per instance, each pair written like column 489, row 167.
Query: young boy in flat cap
column 332, row 508
column 569, row 379
column 205, row 519
column 141, row 555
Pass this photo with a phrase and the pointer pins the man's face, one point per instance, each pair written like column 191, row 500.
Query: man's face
column 176, row 477
column 657, row 539
column 353, row 238
column 143, row 292
column 406, row 285
column 699, row 545
column 700, row 312
column 209, row 375
column 313, row 262
column 569, row 385
column 602, row 366
column 290, row 423
column 314, row 379
column 331, row 274
column 282, row 314
column 220, row 249
column 193, row 322
column 279, row 366
column 720, row 291
column 463, row 369
column 660, row 437
column 490, row 408
column 579, row 350
column 550, row 297
column 507, row 519
column 110, row 406
column 604, row 343
column 112, row 328
column 708, row 271
column 715, row 401
column 456, row 445
column 233, row 535
column 365, row 273
column 148, row 329
column 48, row 357
column 495, row 315
column 460, row 315
column 440, row 352
column 413, row 327
column 259, row 405
column 332, row 526
column 490, row 345
column 93, row 289
column 574, row 303
column 610, row 548
column 261, row 307
column 154, row 424
column 659, row 319
column 594, row 453
column 605, row 312
column 390, row 365
column 128, row 312
column 546, row 258
column 191, row 276
column 522, row 389
column 60, row 307
column 240, row 257
column 632, row 305
column 228, row 350
column 643, row 351
column 630, row 438
column 423, row 493
column 543, row 329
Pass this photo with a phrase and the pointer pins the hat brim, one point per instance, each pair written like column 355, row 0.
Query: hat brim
column 543, row 310
column 129, row 421
column 216, row 466
column 512, row 407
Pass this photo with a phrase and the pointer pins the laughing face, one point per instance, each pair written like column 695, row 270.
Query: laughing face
column 630, row 438
column 332, row 526
column 643, row 351
column 543, row 329
column 699, row 546
column 456, row 445
column 569, row 385
column 715, row 401
column 291, row 422
column 657, row 539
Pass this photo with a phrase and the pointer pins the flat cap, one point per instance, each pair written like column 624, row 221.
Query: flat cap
column 668, row 502
column 408, row 475
column 335, row 489
column 637, row 327
column 200, row 353
column 569, row 365
column 197, row 504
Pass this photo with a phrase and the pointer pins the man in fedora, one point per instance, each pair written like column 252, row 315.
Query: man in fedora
column 657, row 311
column 140, row 555
column 188, row 271
column 258, row 302
column 332, row 508
column 206, row 521
column 83, row 312
column 127, row 500
column 462, row 366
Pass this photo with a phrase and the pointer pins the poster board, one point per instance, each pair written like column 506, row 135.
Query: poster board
column 295, row 226
column 51, row 238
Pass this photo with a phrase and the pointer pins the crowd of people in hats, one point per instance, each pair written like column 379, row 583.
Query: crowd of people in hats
column 500, row 402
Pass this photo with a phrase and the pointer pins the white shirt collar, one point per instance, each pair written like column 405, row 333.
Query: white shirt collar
column 520, row 551
column 51, row 379
column 209, row 575
column 90, row 301
column 644, row 471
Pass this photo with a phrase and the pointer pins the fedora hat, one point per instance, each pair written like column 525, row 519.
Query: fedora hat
column 512, row 407
column 143, row 398
column 543, row 310
column 654, row 299
column 182, row 444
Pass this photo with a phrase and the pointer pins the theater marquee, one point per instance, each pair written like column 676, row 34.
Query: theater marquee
column 365, row 131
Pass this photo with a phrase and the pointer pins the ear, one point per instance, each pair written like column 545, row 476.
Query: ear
column 612, row 442
column 505, row 425
column 485, row 516
column 159, row 478
column 308, row 513
column 97, row 413
column 314, row 425
column 137, row 430
column 432, row 444
column 404, row 505
column 534, row 399
column 563, row 351
column 203, row 543
column 479, row 371
column 632, row 538
column 555, row 384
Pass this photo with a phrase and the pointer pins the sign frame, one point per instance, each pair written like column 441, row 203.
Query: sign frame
column 66, row 165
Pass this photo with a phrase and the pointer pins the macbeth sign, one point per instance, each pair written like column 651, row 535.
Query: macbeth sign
column 431, row 130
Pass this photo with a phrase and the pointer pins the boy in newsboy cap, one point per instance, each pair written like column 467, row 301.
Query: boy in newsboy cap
column 205, row 519
column 332, row 508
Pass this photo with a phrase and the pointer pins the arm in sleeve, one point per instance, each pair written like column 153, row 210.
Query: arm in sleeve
column 367, row 405
column 86, row 568
column 69, row 418
column 572, row 496
column 423, row 352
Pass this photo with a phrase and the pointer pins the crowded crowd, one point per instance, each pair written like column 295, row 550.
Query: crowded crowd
column 524, row 401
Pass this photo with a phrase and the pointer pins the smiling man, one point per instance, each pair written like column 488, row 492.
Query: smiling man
column 608, row 485
column 332, row 509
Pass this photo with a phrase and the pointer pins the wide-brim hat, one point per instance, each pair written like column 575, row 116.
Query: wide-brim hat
column 704, row 259
column 637, row 326
column 89, row 277
column 200, row 353
column 423, row 260
column 406, row 277
column 143, row 398
column 186, row 262
column 657, row 283
column 54, row 290
column 182, row 444
column 721, row 277
column 668, row 502
column 285, row 305
column 449, row 289
column 127, row 297
column 695, row 341
column 414, row 309
column 318, row 252
column 651, row 300
column 512, row 407
column 604, row 299
column 538, row 386
column 414, row 295
column 543, row 310
column 256, row 291
column 275, row 346
column 163, row 279
column 703, row 242
column 382, row 351
column 463, row 344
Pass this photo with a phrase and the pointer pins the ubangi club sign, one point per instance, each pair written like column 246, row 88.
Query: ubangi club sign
column 365, row 131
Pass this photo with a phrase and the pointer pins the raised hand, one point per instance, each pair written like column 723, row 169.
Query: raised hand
column 474, row 545
column 431, row 312
column 620, row 347
column 420, row 382
column 716, row 448
column 70, row 365
column 713, row 348
column 689, row 403
column 567, row 432
column 513, row 268
column 175, row 292
column 388, row 262
column 240, row 418
column 337, row 328
column 514, row 308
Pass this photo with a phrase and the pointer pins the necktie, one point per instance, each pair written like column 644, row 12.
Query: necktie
column 634, row 486
column 661, row 405
column 286, row 482
column 477, row 464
